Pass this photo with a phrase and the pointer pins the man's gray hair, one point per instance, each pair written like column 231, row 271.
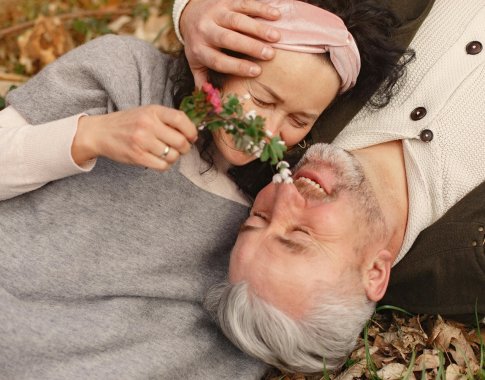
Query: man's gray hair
column 327, row 334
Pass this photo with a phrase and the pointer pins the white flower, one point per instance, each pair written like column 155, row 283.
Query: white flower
column 288, row 180
column 282, row 165
column 201, row 127
column 277, row 178
column 262, row 143
column 228, row 127
column 268, row 133
column 246, row 97
column 285, row 173
column 257, row 154
column 281, row 142
column 251, row 114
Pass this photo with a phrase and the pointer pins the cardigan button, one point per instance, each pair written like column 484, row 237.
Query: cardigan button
column 426, row 135
column 474, row 243
column 474, row 47
column 418, row 113
column 480, row 229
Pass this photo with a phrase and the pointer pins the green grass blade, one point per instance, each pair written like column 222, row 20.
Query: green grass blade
column 482, row 345
column 441, row 368
column 393, row 308
column 409, row 371
column 325, row 375
column 368, row 358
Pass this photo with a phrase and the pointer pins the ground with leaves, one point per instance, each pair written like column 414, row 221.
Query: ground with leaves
column 33, row 33
column 396, row 346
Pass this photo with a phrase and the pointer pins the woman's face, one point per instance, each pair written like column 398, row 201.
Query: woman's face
column 291, row 92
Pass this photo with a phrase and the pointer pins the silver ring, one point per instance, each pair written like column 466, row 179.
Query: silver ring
column 165, row 152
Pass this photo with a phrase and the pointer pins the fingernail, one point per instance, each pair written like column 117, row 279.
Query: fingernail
column 267, row 53
column 274, row 12
column 254, row 71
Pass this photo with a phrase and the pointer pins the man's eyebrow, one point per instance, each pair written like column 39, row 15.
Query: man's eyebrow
column 279, row 99
column 246, row 228
column 294, row 246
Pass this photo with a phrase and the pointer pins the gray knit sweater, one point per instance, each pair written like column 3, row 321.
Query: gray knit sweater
column 102, row 274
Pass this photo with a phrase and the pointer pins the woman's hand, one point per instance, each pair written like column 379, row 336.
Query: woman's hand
column 209, row 25
column 150, row 136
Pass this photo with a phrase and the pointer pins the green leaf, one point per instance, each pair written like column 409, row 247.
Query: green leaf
column 246, row 133
column 19, row 69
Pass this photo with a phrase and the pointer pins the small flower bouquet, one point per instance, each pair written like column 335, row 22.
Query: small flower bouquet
column 207, row 109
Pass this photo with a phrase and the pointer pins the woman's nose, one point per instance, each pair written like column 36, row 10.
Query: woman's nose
column 273, row 124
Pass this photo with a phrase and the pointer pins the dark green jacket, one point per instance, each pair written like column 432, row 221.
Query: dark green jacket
column 444, row 271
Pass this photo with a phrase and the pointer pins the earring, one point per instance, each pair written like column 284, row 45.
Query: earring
column 302, row 144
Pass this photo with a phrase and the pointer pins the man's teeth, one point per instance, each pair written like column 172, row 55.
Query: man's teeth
column 313, row 183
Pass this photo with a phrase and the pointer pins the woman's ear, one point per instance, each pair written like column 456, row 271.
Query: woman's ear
column 376, row 276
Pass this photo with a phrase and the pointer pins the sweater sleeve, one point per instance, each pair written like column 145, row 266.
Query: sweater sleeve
column 32, row 156
column 107, row 74
column 178, row 8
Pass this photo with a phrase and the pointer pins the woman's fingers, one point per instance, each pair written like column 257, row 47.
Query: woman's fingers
column 150, row 136
column 177, row 120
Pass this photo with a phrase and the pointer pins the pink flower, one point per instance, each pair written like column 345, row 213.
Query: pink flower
column 213, row 96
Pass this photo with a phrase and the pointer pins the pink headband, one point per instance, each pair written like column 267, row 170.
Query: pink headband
column 306, row 28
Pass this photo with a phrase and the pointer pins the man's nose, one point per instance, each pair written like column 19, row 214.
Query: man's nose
column 288, row 200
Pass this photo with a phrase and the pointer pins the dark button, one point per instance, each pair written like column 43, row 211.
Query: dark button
column 426, row 135
column 474, row 47
column 418, row 113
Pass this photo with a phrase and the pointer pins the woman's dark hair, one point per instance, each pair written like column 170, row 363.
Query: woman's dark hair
column 383, row 62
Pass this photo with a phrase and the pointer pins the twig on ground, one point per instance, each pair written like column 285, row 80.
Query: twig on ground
column 66, row 17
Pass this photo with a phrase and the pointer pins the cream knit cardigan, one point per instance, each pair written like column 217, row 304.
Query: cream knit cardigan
column 450, row 84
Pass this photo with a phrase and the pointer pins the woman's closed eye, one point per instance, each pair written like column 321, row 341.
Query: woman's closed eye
column 261, row 103
column 297, row 123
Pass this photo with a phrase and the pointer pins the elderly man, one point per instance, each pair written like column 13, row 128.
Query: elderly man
column 314, row 257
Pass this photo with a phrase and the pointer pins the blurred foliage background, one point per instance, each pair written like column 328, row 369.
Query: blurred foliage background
column 34, row 33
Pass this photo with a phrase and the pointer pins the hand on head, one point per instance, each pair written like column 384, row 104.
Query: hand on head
column 210, row 25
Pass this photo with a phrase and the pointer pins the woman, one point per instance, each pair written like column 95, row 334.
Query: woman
column 102, row 274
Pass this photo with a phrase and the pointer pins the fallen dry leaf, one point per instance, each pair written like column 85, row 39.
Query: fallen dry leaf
column 394, row 371
column 356, row 371
column 429, row 359
column 44, row 43
column 453, row 372
column 451, row 338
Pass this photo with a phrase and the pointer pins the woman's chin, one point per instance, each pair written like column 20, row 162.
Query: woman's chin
column 238, row 158
column 228, row 150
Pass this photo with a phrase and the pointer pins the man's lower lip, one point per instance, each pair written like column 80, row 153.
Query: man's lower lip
column 318, row 178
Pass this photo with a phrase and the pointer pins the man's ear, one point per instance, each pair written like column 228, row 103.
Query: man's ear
column 376, row 276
